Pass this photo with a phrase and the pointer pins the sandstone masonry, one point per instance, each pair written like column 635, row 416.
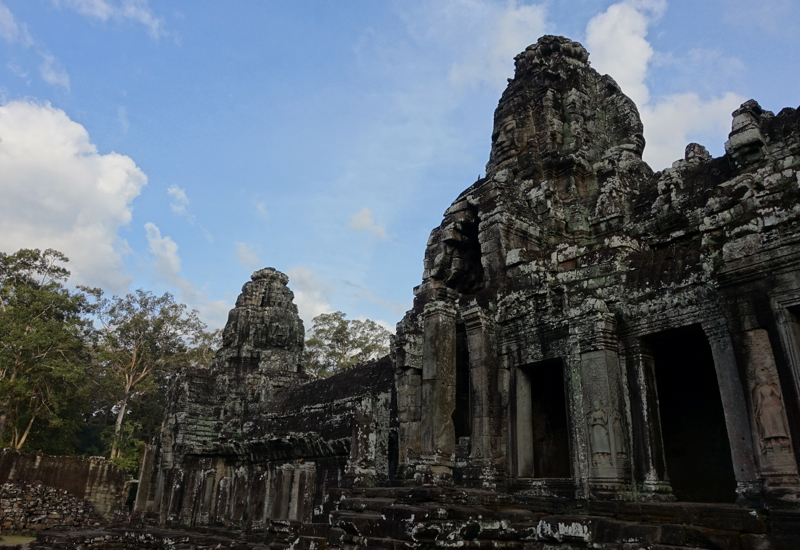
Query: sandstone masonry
column 597, row 356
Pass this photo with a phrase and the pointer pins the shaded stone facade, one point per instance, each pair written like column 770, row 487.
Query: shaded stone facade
column 589, row 338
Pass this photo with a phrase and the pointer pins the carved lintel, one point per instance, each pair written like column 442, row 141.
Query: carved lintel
column 477, row 319
column 439, row 307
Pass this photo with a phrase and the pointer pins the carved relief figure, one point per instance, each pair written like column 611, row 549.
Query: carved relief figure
column 598, row 433
column 769, row 414
column 504, row 145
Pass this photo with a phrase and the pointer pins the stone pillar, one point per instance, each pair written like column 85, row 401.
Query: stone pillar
column 407, row 348
column 769, row 421
column 604, row 410
column 438, row 440
column 648, row 447
column 302, row 506
column 283, row 492
column 487, row 438
column 143, row 504
column 734, row 406
column 789, row 330
column 522, row 420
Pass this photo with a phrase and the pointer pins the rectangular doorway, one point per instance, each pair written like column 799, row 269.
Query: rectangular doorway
column 696, row 447
column 542, row 427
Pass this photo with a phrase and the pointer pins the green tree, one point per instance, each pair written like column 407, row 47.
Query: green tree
column 44, row 330
column 337, row 343
column 142, row 339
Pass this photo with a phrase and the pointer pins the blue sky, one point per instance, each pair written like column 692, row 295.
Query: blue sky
column 178, row 146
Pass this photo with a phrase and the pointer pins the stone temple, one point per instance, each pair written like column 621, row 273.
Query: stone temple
column 598, row 356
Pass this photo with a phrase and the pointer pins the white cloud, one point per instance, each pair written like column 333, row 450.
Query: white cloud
column 122, row 117
column 134, row 10
column 617, row 41
column 247, row 257
column 483, row 35
column 678, row 117
column 505, row 31
column 311, row 293
column 59, row 192
column 363, row 220
column 165, row 250
column 180, row 201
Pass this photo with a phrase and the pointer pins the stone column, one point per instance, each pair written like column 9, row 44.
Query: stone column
column 734, row 406
column 487, row 438
column 789, row 330
column 438, row 439
column 522, row 419
column 407, row 348
column 284, row 478
column 604, row 411
column 648, row 446
column 769, row 422
column 143, row 503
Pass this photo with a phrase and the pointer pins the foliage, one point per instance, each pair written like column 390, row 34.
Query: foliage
column 142, row 339
column 44, row 334
column 337, row 343
column 128, row 444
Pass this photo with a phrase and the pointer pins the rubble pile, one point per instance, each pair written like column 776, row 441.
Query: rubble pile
column 34, row 506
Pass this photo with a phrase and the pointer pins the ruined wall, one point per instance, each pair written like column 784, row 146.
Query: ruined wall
column 94, row 479
column 254, row 438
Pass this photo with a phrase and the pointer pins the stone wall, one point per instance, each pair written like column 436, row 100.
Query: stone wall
column 93, row 479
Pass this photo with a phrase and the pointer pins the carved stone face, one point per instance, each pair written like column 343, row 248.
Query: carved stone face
column 504, row 143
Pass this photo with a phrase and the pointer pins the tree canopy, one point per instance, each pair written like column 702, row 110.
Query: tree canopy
column 81, row 373
column 45, row 340
column 336, row 343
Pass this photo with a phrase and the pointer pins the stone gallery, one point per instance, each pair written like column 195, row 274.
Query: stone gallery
column 597, row 356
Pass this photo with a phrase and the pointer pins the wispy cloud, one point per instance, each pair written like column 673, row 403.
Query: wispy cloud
column 261, row 211
column 167, row 265
column 12, row 31
column 368, row 294
column 122, row 118
column 15, row 32
column 364, row 221
column 246, row 256
column 137, row 11
column 180, row 202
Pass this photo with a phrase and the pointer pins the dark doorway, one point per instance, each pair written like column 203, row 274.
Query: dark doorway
column 542, row 425
column 462, row 417
column 696, row 446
